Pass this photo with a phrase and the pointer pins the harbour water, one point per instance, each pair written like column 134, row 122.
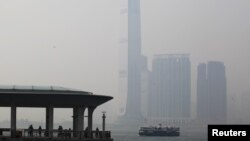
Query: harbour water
column 133, row 136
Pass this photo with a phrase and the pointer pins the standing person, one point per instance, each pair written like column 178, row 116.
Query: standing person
column 40, row 131
column 30, row 130
column 60, row 130
column 86, row 132
column 70, row 132
column 97, row 132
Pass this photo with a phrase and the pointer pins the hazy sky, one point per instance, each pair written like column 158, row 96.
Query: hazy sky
column 75, row 43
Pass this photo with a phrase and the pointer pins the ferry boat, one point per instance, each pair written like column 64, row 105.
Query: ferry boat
column 159, row 131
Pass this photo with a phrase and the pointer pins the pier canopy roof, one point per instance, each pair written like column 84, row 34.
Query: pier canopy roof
column 42, row 96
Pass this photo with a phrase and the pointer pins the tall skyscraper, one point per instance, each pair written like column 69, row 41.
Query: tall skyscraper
column 134, row 59
column 212, row 92
column 170, row 91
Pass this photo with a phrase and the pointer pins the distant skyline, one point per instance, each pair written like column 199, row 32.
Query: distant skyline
column 75, row 43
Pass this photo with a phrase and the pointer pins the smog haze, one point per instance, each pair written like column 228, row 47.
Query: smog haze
column 76, row 44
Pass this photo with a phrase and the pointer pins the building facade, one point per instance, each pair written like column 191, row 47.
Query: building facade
column 212, row 92
column 170, row 88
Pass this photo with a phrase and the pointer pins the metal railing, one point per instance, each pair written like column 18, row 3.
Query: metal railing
column 63, row 134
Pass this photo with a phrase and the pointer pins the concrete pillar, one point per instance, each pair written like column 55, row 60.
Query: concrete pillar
column 75, row 120
column 78, row 120
column 13, row 121
column 81, row 118
column 49, row 120
column 90, row 120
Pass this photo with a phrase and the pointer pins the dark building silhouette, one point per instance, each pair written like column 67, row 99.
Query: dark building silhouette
column 49, row 97
column 170, row 88
column 211, row 92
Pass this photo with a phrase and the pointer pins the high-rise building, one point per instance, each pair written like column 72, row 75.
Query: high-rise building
column 211, row 92
column 170, row 88
column 133, row 109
